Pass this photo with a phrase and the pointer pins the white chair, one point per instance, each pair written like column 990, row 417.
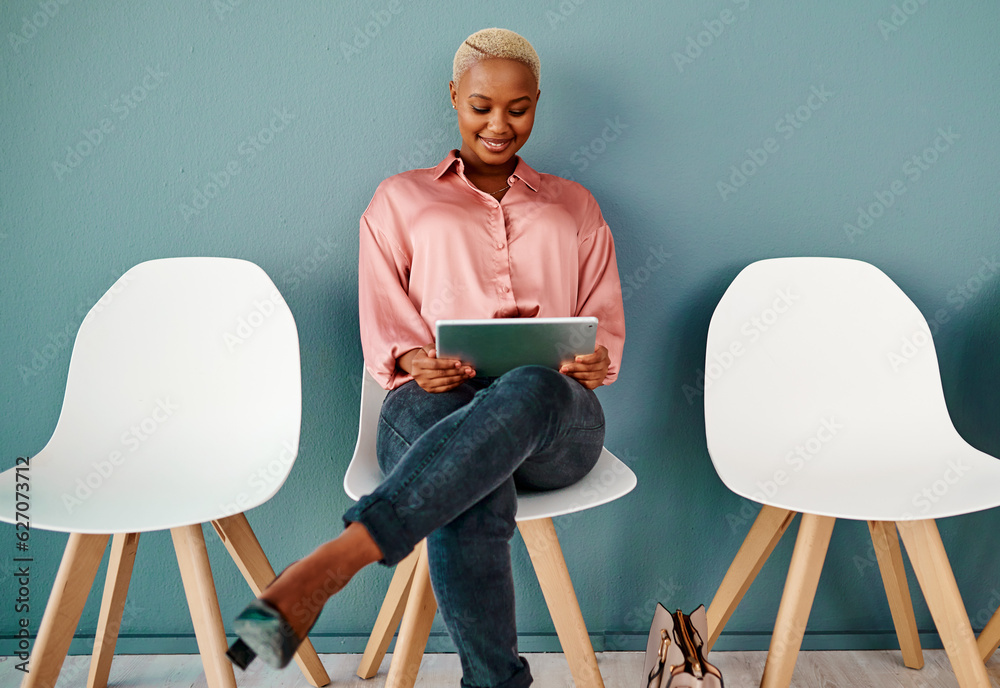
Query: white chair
column 182, row 406
column 410, row 590
column 823, row 397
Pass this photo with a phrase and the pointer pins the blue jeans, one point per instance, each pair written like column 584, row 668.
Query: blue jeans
column 452, row 462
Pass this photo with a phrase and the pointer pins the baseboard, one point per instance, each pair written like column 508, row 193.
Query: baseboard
column 603, row 642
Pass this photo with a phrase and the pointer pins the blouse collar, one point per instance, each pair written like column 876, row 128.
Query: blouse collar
column 522, row 170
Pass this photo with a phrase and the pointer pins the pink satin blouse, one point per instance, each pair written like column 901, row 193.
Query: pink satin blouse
column 433, row 246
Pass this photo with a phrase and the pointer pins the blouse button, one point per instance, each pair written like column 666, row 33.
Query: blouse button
column 500, row 245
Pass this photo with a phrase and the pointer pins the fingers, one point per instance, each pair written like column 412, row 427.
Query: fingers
column 441, row 383
column 588, row 362
column 429, row 361
column 600, row 354
column 591, row 376
column 439, row 374
column 437, row 386
column 588, row 369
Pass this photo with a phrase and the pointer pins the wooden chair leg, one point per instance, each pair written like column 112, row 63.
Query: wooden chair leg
column 540, row 538
column 930, row 563
column 123, row 547
column 196, row 572
column 897, row 590
column 416, row 627
column 389, row 616
column 245, row 549
column 74, row 579
column 766, row 531
column 796, row 600
column 989, row 639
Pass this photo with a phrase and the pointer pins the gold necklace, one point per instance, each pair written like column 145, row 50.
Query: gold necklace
column 506, row 186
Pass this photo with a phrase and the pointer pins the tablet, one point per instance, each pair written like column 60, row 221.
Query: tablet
column 494, row 346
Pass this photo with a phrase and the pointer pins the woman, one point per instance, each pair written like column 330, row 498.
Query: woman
column 479, row 235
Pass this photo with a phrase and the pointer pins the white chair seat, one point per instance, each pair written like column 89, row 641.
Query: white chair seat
column 608, row 480
column 944, row 478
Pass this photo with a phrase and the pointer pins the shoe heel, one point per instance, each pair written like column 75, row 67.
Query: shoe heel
column 240, row 654
column 264, row 631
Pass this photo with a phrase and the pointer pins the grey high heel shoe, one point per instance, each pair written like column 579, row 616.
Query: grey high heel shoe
column 263, row 632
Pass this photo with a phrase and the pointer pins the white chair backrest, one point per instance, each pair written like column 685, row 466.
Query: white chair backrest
column 183, row 402
column 821, row 376
column 363, row 474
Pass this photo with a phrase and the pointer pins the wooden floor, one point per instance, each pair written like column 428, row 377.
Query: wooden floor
column 620, row 670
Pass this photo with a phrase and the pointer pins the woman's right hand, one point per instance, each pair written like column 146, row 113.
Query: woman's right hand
column 434, row 374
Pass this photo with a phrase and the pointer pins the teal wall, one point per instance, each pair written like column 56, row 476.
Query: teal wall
column 822, row 104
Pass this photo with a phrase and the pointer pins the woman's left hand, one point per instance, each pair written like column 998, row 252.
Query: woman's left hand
column 590, row 369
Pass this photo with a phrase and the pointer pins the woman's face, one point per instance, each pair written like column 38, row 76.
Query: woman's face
column 495, row 100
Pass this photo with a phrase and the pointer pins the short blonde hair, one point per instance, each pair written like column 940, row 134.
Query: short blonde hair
column 495, row 43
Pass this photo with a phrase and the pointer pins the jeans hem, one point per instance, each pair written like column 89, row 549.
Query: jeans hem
column 522, row 679
column 380, row 519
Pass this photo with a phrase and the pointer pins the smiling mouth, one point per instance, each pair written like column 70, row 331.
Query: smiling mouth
column 495, row 145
